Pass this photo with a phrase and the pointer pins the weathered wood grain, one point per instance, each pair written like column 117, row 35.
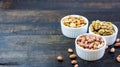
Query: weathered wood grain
column 26, row 49
column 25, row 42
column 39, row 50
column 54, row 15
column 62, row 4
column 29, row 28
column 34, row 44
column 30, row 33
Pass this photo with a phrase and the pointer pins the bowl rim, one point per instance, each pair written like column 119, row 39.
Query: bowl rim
column 88, row 49
column 115, row 28
column 61, row 21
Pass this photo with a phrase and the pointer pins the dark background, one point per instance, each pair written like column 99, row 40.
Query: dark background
column 30, row 34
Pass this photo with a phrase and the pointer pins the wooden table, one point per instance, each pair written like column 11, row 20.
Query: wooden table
column 30, row 33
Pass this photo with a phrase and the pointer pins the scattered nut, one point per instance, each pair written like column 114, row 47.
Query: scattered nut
column 60, row 58
column 70, row 50
column 102, row 28
column 74, row 62
column 90, row 41
column 74, row 22
column 72, row 56
column 117, row 40
column 118, row 58
column 117, row 44
column 112, row 50
column 76, row 65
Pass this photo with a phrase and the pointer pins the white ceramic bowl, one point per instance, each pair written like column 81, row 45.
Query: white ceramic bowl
column 73, row 32
column 87, row 54
column 111, row 38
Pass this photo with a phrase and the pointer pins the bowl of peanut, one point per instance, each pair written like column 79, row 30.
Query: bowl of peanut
column 74, row 25
column 90, row 47
column 106, row 29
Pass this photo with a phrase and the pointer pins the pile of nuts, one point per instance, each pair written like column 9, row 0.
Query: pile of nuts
column 72, row 56
column 90, row 41
column 74, row 22
column 102, row 28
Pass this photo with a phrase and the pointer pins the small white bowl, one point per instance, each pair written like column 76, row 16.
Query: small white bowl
column 111, row 38
column 87, row 54
column 73, row 32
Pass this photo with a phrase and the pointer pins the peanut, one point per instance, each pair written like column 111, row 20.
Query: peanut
column 60, row 58
column 76, row 65
column 70, row 50
column 117, row 44
column 118, row 58
column 112, row 50
column 74, row 62
column 117, row 40
column 72, row 56
column 90, row 42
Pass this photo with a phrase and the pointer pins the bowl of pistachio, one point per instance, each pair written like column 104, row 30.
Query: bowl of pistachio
column 106, row 29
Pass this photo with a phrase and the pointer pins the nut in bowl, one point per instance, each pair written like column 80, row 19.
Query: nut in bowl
column 106, row 29
column 74, row 25
column 90, row 47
